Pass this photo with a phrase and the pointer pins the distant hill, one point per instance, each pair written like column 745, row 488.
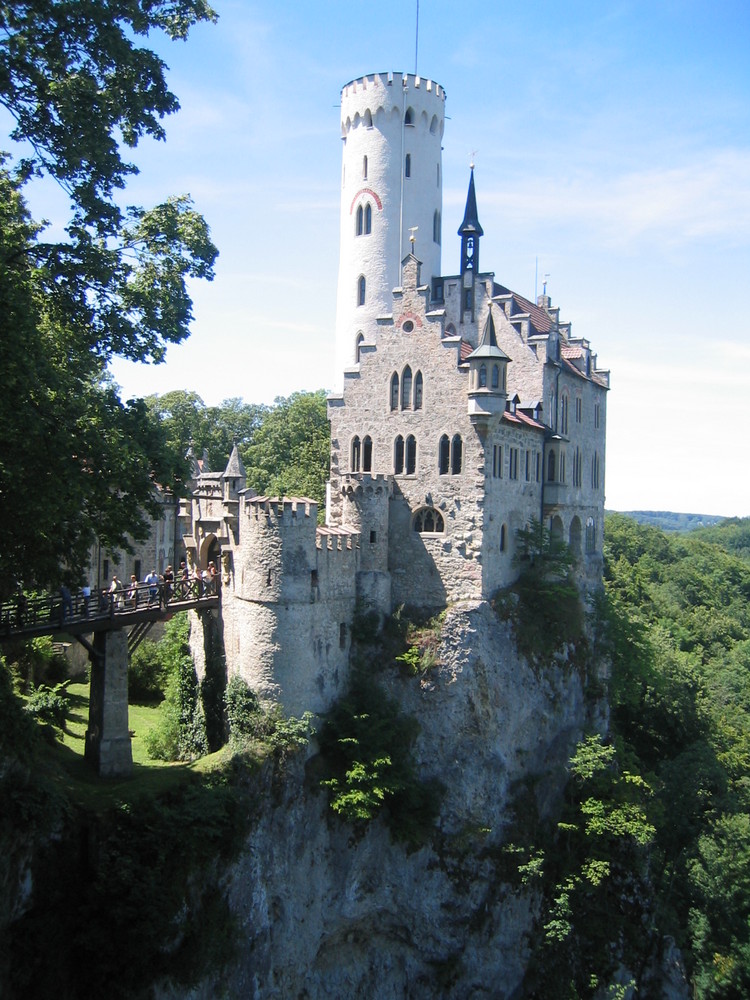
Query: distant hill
column 669, row 521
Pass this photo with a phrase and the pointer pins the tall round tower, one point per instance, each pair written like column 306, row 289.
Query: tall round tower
column 391, row 191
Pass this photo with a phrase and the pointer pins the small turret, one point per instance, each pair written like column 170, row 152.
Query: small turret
column 235, row 477
column 470, row 230
column 488, row 375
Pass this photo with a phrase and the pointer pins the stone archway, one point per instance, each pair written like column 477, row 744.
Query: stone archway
column 210, row 552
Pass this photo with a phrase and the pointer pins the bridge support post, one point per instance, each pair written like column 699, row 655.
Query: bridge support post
column 108, row 743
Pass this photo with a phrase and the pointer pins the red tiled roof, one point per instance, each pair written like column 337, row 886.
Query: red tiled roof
column 568, row 351
column 466, row 350
column 539, row 318
column 522, row 418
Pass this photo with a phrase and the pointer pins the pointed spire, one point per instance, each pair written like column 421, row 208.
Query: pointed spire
column 471, row 216
column 235, row 468
column 488, row 346
column 488, row 334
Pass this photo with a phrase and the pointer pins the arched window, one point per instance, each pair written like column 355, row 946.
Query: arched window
column 434, row 124
column 406, row 389
column 407, row 165
column 444, row 455
column 394, row 391
column 411, row 455
column 356, row 454
column 457, row 449
column 418, row 389
column 551, row 467
column 590, row 535
column 358, row 347
column 409, row 116
column 429, row 521
column 368, row 121
column 364, row 168
column 436, row 227
column 367, row 454
column 483, row 377
column 398, row 455
column 564, row 413
column 360, row 220
column 368, row 219
column 495, row 377
column 361, row 290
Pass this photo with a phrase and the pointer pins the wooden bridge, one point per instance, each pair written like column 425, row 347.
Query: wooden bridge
column 110, row 625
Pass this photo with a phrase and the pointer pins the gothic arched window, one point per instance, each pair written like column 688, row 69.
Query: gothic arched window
column 361, row 290
column 364, row 168
column 495, row 377
column 457, row 450
column 394, row 391
column 368, row 219
column 418, row 391
column 407, row 165
column 444, row 455
column 428, row 521
column 367, row 454
column 358, row 347
column 406, row 389
column 356, row 454
column 360, row 228
column 411, row 455
column 398, row 455
column 409, row 116
column 483, row 377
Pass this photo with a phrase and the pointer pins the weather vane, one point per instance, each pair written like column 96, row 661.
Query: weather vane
column 412, row 237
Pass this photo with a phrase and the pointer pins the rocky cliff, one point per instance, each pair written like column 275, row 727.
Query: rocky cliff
column 327, row 911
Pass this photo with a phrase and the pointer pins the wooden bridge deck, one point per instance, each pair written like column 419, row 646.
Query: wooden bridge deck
column 50, row 614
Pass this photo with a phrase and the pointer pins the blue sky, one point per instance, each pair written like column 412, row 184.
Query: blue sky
column 612, row 144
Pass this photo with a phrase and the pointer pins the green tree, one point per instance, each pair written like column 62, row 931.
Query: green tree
column 77, row 462
column 290, row 450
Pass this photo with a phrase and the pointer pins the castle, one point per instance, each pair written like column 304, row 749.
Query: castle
column 466, row 412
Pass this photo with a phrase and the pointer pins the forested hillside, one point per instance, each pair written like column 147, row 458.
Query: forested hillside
column 679, row 614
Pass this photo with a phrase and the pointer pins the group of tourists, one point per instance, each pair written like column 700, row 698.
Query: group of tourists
column 162, row 589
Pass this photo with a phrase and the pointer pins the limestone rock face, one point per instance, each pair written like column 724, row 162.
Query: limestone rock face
column 325, row 914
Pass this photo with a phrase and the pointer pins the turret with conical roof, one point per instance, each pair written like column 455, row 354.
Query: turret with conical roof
column 235, row 477
column 488, row 367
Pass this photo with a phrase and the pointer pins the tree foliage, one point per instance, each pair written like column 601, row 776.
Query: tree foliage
column 77, row 462
column 679, row 626
column 290, row 451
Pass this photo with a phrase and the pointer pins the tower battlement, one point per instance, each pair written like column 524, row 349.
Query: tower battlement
column 282, row 510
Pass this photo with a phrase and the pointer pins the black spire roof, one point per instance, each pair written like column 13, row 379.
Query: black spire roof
column 471, row 217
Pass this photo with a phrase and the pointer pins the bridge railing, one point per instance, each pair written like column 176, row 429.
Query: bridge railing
column 22, row 613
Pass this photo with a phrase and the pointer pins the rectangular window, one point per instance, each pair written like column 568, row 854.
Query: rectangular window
column 137, row 569
column 105, row 569
column 537, row 466
column 579, row 409
column 596, row 413
column 528, row 465
column 513, row 463
column 373, row 537
column 497, row 461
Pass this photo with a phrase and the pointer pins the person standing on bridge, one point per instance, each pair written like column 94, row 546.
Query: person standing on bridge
column 168, row 584
column 132, row 598
column 115, row 593
column 153, row 587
